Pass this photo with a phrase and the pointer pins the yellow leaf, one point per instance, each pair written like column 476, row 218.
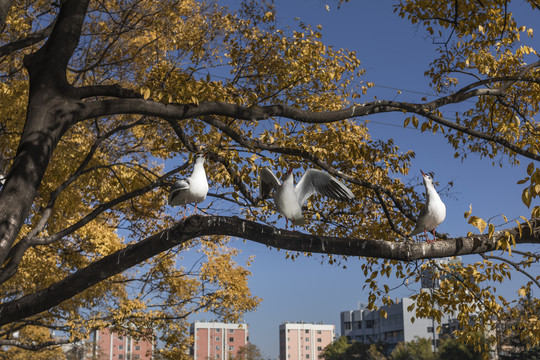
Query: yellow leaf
column 477, row 222
column 406, row 122
column 526, row 197
column 468, row 213
column 530, row 169
column 415, row 121
column 491, row 230
column 145, row 93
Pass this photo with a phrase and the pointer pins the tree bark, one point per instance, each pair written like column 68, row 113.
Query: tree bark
column 5, row 5
column 197, row 226
column 50, row 111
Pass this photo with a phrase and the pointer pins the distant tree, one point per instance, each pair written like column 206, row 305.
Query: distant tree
column 335, row 350
column 451, row 349
column 513, row 344
column 418, row 349
column 248, row 352
column 342, row 350
column 29, row 340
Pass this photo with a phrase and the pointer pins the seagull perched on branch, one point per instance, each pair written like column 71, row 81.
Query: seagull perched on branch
column 193, row 189
column 289, row 199
column 433, row 212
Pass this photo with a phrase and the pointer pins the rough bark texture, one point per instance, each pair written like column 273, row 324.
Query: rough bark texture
column 50, row 112
column 196, row 226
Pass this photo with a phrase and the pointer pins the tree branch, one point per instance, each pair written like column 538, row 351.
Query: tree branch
column 204, row 108
column 27, row 41
column 197, row 226
column 33, row 347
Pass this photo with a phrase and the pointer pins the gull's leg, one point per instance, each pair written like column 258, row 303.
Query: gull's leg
column 427, row 239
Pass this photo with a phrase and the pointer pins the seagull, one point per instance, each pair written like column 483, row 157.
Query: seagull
column 433, row 213
column 289, row 199
column 190, row 190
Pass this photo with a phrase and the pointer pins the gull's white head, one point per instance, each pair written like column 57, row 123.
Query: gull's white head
column 428, row 180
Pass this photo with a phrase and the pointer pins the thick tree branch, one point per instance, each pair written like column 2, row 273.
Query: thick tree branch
column 29, row 40
column 197, row 226
column 204, row 108
column 106, row 90
column 49, row 114
column 33, row 347
column 17, row 252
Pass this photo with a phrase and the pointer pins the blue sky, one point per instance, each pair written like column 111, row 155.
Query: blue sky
column 395, row 55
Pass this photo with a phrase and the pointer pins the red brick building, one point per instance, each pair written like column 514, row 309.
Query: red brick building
column 214, row 340
column 112, row 346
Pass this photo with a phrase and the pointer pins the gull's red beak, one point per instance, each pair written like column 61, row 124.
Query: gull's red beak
column 422, row 173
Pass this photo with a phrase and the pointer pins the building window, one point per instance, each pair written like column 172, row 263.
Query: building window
column 231, row 331
column 136, row 357
column 307, row 356
column 231, row 339
column 319, row 340
column 137, row 347
column 307, row 339
column 217, row 347
column 120, row 356
column 347, row 325
column 231, row 348
column 217, row 338
column 319, row 348
column 307, row 347
column 120, row 347
column 370, row 324
column 307, row 331
column 430, row 329
column 218, row 330
column 319, row 332
column 120, row 338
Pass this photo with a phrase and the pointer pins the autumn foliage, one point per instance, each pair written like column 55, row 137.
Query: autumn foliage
column 104, row 103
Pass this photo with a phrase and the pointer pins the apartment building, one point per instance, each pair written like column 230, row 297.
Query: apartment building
column 215, row 340
column 304, row 341
column 370, row 327
column 107, row 345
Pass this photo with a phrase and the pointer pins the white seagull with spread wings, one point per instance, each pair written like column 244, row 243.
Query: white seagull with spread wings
column 289, row 199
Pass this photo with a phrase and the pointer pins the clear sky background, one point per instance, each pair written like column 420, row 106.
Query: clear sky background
column 395, row 55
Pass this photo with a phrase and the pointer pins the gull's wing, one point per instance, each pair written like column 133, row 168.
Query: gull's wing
column 178, row 187
column 420, row 222
column 267, row 182
column 317, row 181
